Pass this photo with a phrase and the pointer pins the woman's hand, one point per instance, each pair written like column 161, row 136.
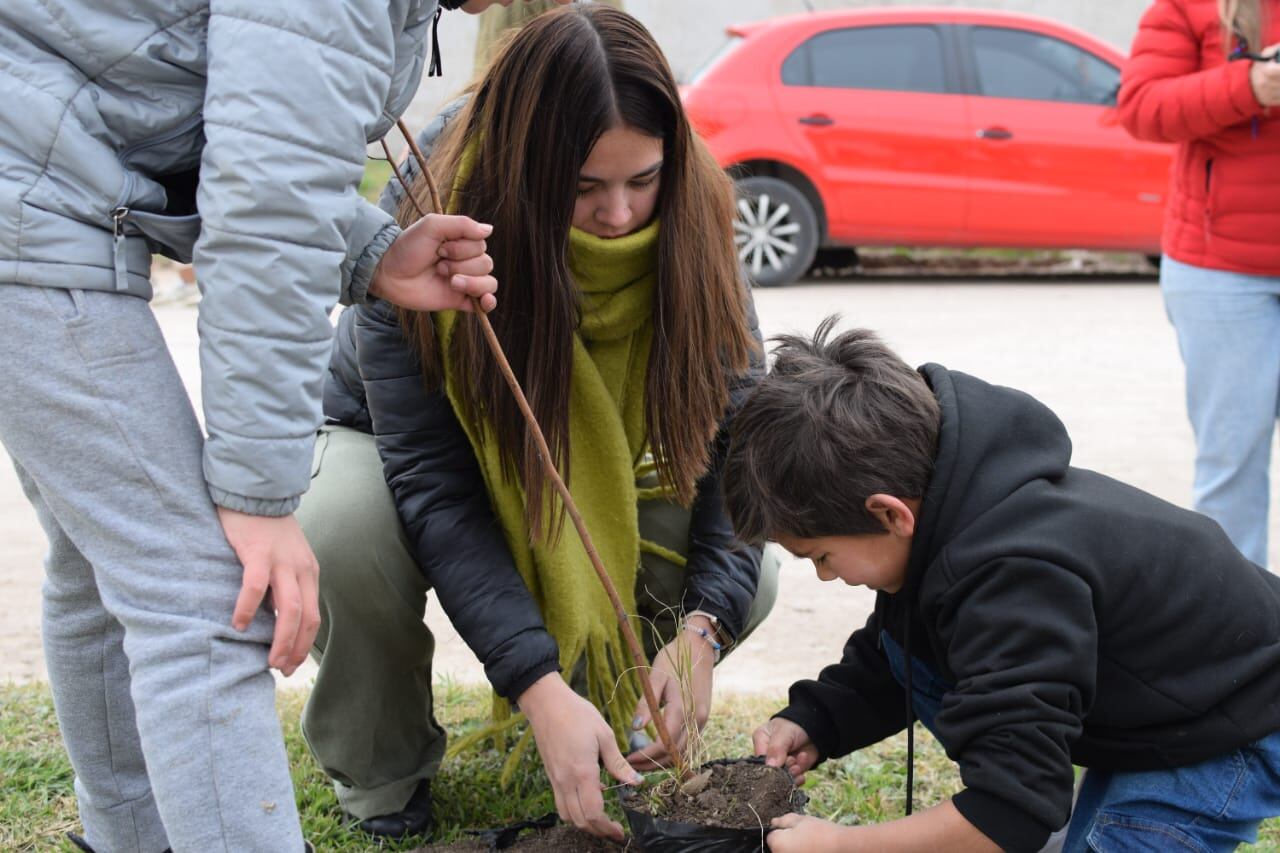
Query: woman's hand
column 574, row 740
column 1265, row 78
column 784, row 744
column 795, row 833
column 439, row 263
column 681, row 679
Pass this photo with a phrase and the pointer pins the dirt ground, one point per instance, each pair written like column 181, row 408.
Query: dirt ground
column 1099, row 351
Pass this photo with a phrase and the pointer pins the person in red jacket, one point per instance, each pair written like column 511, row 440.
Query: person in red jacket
column 1205, row 74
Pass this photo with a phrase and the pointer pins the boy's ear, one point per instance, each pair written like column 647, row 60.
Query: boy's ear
column 897, row 516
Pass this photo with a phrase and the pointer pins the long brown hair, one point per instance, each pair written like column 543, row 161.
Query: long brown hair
column 1241, row 19
column 530, row 124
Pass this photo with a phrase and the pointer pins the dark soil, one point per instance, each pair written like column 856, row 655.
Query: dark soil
column 738, row 795
column 559, row 839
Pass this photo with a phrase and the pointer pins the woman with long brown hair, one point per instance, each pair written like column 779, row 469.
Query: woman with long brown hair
column 625, row 317
column 1204, row 74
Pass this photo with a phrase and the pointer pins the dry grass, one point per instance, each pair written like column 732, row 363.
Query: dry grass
column 37, row 804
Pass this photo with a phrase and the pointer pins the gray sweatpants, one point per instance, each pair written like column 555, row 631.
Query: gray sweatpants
column 167, row 712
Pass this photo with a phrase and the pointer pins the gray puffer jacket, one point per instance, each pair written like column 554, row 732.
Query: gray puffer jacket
column 119, row 119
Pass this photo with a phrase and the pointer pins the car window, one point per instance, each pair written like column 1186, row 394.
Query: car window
column 1019, row 64
column 714, row 60
column 903, row 59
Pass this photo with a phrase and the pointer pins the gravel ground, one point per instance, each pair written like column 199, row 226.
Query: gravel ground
column 1098, row 351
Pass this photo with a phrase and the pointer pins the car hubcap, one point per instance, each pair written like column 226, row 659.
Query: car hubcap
column 765, row 234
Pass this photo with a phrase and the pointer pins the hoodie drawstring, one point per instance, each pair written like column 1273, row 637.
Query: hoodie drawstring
column 911, row 715
column 435, row 69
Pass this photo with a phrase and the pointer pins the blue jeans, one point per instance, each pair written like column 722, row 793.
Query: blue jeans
column 1211, row 806
column 1228, row 327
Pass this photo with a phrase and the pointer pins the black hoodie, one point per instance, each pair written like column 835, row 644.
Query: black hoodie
column 1080, row 621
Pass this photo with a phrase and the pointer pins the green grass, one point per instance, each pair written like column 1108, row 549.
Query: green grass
column 37, row 804
column 376, row 175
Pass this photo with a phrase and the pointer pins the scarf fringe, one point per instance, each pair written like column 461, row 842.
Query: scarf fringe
column 665, row 553
column 654, row 493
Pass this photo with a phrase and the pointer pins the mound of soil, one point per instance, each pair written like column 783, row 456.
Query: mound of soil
column 558, row 839
column 736, row 795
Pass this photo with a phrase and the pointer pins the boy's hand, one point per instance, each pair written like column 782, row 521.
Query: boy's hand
column 681, row 672
column 574, row 740
column 276, row 558
column 437, row 264
column 795, row 833
column 784, row 744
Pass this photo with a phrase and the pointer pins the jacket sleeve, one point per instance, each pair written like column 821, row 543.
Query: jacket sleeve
column 293, row 90
column 440, row 495
column 723, row 572
column 1164, row 94
column 853, row 703
column 1021, row 639
column 372, row 233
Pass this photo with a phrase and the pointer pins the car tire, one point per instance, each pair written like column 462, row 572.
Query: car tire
column 775, row 231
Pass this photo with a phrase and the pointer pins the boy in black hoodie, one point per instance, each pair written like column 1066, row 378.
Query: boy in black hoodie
column 1052, row 616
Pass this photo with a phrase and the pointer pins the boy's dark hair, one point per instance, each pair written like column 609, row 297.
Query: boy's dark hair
column 838, row 419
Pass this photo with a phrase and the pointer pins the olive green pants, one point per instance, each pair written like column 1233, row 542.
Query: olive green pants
column 369, row 718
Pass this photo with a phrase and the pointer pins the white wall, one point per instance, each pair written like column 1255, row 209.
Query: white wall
column 691, row 30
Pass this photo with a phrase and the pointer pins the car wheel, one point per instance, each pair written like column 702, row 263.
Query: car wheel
column 776, row 230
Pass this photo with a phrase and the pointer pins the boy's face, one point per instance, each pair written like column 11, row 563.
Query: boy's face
column 877, row 561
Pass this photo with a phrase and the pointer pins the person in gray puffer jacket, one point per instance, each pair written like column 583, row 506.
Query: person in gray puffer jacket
column 231, row 133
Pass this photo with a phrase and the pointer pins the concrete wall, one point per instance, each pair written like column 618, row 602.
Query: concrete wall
column 690, row 30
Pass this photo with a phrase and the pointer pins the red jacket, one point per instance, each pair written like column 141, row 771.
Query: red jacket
column 1223, row 210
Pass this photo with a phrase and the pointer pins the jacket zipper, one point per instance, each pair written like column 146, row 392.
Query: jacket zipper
column 120, row 260
column 120, row 211
column 1208, row 199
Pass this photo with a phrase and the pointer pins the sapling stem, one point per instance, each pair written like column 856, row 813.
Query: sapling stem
column 548, row 466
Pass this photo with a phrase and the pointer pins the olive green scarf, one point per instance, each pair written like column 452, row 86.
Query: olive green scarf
column 607, row 442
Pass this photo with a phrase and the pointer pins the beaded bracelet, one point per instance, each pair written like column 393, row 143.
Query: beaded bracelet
column 716, row 646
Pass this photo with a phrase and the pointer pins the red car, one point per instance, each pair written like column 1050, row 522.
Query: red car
column 927, row 127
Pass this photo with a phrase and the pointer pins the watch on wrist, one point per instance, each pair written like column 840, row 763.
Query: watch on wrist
column 713, row 619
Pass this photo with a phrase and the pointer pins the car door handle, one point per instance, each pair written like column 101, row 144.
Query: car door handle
column 995, row 133
column 818, row 120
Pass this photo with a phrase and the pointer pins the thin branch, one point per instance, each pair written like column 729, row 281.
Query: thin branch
column 422, row 166
column 400, row 177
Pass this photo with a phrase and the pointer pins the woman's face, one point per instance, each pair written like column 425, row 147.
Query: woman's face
column 618, row 185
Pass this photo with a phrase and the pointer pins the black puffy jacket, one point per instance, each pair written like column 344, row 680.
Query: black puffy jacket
column 375, row 385
column 1077, row 620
